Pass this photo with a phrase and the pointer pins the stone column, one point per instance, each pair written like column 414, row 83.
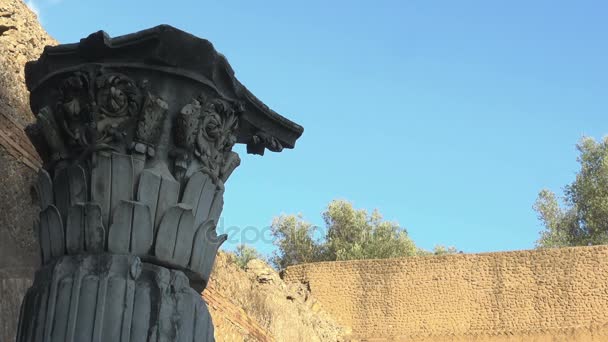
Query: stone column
column 136, row 135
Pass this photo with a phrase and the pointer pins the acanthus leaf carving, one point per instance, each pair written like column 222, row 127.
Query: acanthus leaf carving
column 108, row 127
column 52, row 134
column 206, row 130
column 99, row 110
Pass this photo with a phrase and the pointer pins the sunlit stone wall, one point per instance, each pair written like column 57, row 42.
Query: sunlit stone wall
column 512, row 296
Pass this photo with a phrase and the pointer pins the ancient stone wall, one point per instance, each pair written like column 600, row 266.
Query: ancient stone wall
column 231, row 322
column 538, row 295
column 21, row 39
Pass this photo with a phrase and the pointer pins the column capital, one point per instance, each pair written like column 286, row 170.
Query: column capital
column 136, row 135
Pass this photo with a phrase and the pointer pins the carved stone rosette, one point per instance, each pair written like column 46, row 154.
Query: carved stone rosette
column 136, row 134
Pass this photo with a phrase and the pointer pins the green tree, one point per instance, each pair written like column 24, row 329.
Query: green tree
column 350, row 234
column 356, row 234
column 294, row 239
column 244, row 254
column 582, row 219
column 437, row 250
column 443, row 250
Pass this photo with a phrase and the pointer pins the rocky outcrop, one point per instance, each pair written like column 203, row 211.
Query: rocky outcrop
column 282, row 312
column 21, row 39
column 231, row 322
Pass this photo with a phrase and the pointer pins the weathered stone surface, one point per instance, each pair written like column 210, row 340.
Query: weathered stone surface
column 254, row 304
column 14, row 282
column 122, row 125
column 199, row 194
column 21, row 39
column 132, row 231
column 112, row 298
column 175, row 236
column 540, row 295
column 18, row 246
column 17, row 213
column 136, row 119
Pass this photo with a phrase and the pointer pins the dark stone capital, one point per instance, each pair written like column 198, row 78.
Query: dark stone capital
column 136, row 135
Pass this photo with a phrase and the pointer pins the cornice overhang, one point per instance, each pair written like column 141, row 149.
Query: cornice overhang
column 171, row 50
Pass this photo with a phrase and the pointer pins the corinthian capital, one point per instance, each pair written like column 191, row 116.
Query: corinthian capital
column 136, row 135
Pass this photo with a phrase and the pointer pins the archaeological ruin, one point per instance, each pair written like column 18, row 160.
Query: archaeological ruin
column 133, row 139
column 135, row 134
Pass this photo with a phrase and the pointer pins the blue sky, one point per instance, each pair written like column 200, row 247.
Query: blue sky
column 447, row 116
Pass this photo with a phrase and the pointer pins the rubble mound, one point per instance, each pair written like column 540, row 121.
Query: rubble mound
column 286, row 312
